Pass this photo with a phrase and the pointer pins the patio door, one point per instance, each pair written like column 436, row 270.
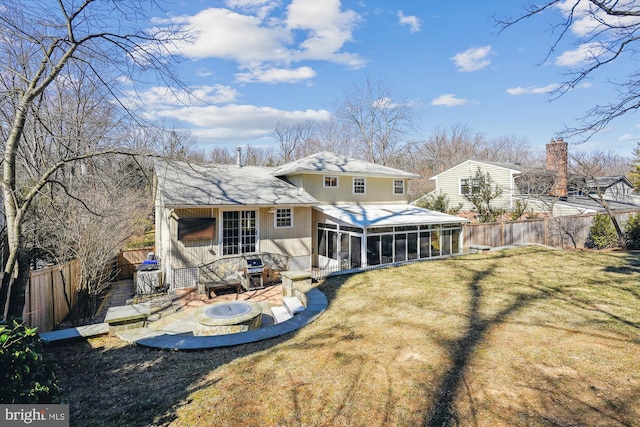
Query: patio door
column 238, row 232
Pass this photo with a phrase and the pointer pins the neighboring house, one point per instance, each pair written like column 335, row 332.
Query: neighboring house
column 459, row 180
column 549, row 189
column 324, row 211
column 614, row 188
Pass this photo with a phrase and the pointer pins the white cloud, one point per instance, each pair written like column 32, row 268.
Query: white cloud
column 533, row 90
column 250, row 33
column 238, row 122
column 449, row 100
column 412, row 21
column 473, row 59
column 276, row 75
column 260, row 8
column 159, row 97
column 589, row 20
column 222, row 33
column 327, row 28
column 629, row 137
column 583, row 54
column 203, row 72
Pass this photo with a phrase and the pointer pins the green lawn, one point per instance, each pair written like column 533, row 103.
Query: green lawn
column 520, row 337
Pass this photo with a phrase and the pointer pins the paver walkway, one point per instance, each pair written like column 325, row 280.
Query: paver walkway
column 120, row 292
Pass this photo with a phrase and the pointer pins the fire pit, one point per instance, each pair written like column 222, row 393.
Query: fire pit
column 228, row 318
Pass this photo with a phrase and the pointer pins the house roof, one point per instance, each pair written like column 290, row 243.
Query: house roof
column 514, row 168
column 188, row 185
column 328, row 162
column 387, row 215
column 582, row 203
column 607, row 181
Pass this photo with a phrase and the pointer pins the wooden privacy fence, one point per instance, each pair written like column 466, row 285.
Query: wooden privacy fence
column 129, row 260
column 50, row 294
column 569, row 231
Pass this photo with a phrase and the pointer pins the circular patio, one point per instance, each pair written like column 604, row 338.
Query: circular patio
column 173, row 332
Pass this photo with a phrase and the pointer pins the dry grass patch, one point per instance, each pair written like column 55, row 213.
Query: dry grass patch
column 525, row 337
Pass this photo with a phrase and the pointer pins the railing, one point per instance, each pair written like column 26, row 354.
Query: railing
column 318, row 273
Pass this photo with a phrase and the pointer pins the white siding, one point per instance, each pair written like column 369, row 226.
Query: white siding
column 448, row 182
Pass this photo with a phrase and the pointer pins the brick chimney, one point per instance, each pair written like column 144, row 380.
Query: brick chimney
column 557, row 162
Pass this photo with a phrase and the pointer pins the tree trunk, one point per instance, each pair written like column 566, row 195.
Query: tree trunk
column 17, row 298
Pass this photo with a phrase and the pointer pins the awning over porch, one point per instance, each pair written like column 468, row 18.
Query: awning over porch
column 387, row 215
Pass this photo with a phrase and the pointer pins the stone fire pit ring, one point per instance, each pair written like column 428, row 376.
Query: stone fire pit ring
column 227, row 318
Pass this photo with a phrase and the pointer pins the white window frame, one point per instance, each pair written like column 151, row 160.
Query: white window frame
column 396, row 181
column 245, row 233
column 364, row 185
column 277, row 216
column 331, row 177
column 472, row 186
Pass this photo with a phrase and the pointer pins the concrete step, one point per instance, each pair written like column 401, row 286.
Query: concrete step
column 70, row 334
column 280, row 314
column 293, row 305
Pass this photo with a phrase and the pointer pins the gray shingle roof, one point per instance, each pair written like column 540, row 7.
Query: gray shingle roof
column 387, row 215
column 182, row 184
column 327, row 162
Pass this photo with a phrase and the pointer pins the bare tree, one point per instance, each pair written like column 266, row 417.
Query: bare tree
column 90, row 41
column 447, row 147
column 333, row 136
column 634, row 175
column 94, row 231
column 375, row 121
column 295, row 141
column 609, row 31
column 589, row 168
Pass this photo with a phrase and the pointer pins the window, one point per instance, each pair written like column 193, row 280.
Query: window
column 398, row 186
column 331, row 181
column 284, row 218
column 469, row 186
column 358, row 185
column 238, row 232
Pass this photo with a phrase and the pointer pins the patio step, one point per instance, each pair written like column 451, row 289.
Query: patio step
column 280, row 314
column 293, row 305
column 70, row 334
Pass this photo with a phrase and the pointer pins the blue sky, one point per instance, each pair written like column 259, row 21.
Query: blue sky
column 253, row 63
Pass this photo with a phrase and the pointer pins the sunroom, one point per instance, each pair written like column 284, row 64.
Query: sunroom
column 363, row 236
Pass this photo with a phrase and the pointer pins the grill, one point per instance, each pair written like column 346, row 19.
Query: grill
column 254, row 274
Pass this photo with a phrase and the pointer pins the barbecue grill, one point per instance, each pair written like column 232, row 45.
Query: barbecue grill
column 254, row 274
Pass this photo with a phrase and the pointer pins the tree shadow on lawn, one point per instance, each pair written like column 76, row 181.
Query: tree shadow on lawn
column 124, row 384
column 109, row 382
column 463, row 348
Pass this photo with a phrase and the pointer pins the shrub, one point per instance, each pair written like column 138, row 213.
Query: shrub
column 602, row 234
column 24, row 375
column 520, row 207
column 632, row 231
column 438, row 203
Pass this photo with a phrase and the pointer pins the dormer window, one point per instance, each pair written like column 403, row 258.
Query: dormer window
column 331, row 181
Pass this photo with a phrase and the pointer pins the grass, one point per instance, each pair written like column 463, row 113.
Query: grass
column 521, row 337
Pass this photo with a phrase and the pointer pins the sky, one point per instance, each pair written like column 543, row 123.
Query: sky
column 254, row 63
